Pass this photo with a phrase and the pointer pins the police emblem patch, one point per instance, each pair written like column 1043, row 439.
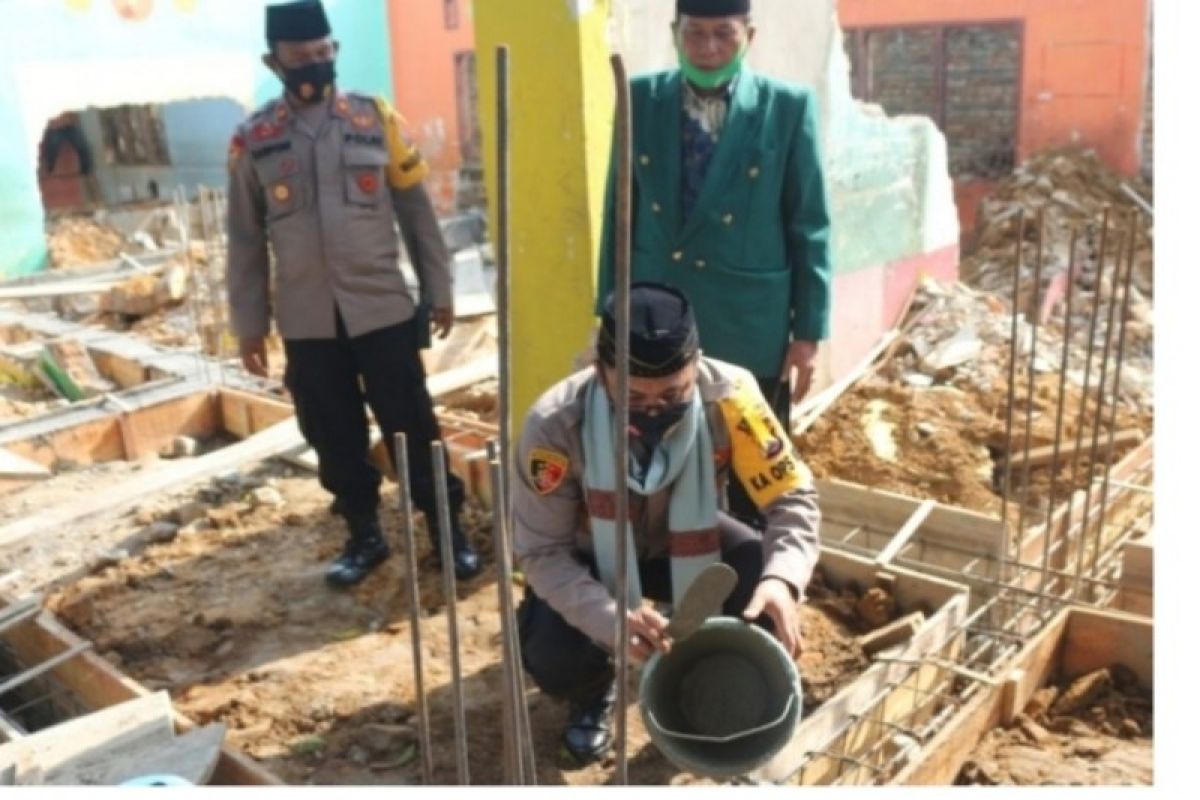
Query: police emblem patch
column 547, row 469
column 368, row 182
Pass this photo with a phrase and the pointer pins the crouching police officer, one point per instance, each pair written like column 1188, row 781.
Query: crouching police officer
column 693, row 421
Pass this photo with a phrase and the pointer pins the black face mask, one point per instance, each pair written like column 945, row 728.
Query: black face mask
column 310, row 82
column 652, row 427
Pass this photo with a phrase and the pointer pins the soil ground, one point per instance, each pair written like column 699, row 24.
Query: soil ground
column 232, row 616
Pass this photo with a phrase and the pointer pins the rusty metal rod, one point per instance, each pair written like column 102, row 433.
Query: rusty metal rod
column 1116, row 390
column 409, row 540
column 1062, row 402
column 621, row 280
column 1031, row 388
column 1012, row 388
column 449, row 588
column 1081, row 419
column 1100, row 391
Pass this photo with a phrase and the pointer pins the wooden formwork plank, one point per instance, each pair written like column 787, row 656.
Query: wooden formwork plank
column 1075, row 642
column 244, row 414
column 175, row 475
column 99, row 685
column 939, row 761
column 108, row 439
column 945, row 604
column 1135, row 586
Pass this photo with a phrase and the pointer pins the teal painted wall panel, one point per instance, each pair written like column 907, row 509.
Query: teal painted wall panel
column 83, row 45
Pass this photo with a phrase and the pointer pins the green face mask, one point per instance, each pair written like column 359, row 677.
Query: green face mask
column 711, row 78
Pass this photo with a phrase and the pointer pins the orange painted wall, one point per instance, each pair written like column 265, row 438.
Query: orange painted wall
column 1083, row 71
column 423, row 51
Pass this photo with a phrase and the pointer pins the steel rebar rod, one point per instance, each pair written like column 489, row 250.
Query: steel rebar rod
column 1093, row 451
column 513, row 762
column 621, row 279
column 1012, row 388
column 1122, row 323
column 1031, row 387
column 1061, row 405
column 1080, row 421
column 449, row 589
column 409, row 540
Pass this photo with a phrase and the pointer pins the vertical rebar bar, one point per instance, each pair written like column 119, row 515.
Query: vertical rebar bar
column 504, row 268
column 409, row 540
column 449, row 588
column 1031, row 388
column 1127, row 284
column 624, row 155
column 1081, row 419
column 1012, row 388
column 1094, row 449
column 1062, row 398
column 513, row 762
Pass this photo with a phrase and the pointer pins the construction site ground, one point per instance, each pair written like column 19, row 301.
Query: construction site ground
column 230, row 613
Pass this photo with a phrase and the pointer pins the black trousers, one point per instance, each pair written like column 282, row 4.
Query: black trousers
column 565, row 663
column 331, row 380
column 780, row 401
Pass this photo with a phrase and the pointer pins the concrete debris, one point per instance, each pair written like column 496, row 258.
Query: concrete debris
column 160, row 532
column 189, row 512
column 81, row 241
column 145, row 294
column 266, row 496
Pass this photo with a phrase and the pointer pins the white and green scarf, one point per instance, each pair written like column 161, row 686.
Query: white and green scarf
column 682, row 461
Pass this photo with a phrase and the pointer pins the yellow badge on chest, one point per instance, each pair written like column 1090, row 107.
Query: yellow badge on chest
column 763, row 456
column 547, row 469
column 281, row 192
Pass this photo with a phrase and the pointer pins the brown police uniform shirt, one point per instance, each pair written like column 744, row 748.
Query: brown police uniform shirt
column 328, row 201
column 549, row 499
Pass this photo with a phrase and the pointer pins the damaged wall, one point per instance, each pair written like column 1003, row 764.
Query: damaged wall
column 57, row 56
column 890, row 192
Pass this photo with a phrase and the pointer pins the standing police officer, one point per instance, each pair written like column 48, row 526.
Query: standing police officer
column 324, row 176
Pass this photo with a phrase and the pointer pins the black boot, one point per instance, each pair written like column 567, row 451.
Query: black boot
column 466, row 560
column 365, row 550
column 588, row 734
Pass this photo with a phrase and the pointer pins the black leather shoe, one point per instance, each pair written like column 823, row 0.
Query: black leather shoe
column 366, row 550
column 589, row 728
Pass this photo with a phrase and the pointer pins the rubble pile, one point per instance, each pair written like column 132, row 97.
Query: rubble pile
column 76, row 241
column 1073, row 187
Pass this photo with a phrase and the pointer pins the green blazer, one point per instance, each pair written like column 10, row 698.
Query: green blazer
column 753, row 258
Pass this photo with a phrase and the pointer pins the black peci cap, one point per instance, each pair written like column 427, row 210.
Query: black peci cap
column 662, row 331
column 301, row 21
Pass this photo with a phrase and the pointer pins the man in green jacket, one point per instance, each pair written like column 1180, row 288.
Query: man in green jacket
column 729, row 201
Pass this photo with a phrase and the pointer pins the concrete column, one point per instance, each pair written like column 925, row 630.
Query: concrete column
column 562, row 101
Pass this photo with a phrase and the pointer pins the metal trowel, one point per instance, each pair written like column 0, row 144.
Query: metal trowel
column 703, row 599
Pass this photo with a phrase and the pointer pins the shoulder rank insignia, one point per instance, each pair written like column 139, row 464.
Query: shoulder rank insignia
column 547, row 469
column 237, row 148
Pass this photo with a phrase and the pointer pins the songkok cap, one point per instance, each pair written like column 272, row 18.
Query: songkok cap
column 713, row 8
column 301, row 21
column 662, row 331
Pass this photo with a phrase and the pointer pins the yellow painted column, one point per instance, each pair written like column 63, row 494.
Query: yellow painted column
column 561, row 108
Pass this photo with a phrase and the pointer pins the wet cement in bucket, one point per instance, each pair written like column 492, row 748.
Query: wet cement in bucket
column 723, row 694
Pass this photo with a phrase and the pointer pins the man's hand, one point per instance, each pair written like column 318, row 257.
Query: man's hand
column 800, row 356
column 774, row 597
column 254, row 356
column 443, row 321
column 647, row 633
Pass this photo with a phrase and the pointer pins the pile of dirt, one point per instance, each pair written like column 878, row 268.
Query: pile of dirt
column 226, row 607
column 930, row 421
column 1073, row 188
column 81, row 241
column 1096, row 731
column 19, row 402
column 479, row 401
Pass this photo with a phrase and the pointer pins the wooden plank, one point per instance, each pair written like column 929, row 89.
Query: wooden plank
column 1042, row 456
column 98, row 684
column 17, row 612
column 55, row 749
column 175, row 475
column 939, row 761
column 904, row 534
column 13, row 466
column 1097, row 639
column 891, row 634
column 192, row 756
column 244, row 414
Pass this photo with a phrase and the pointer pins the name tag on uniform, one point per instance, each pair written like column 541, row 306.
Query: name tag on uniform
column 370, row 139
